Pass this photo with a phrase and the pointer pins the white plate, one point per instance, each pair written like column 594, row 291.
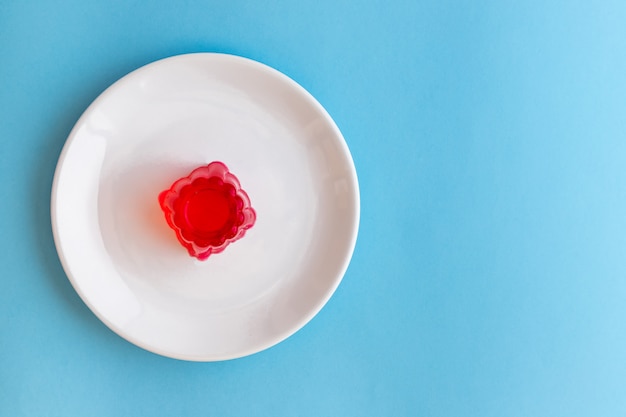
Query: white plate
column 154, row 126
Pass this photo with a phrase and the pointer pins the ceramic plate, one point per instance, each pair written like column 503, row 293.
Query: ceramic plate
column 155, row 126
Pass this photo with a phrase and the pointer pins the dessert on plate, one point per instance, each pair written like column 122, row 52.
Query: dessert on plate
column 208, row 210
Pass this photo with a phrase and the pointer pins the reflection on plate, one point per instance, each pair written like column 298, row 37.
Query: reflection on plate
column 157, row 124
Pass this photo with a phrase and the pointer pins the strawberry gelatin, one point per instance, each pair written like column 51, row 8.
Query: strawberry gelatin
column 207, row 209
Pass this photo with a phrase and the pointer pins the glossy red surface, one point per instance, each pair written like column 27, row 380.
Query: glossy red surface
column 207, row 209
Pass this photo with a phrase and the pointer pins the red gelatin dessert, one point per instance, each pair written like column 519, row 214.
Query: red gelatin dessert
column 207, row 209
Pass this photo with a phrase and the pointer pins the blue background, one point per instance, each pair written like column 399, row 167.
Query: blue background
column 489, row 278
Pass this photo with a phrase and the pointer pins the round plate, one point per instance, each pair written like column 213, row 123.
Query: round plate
column 156, row 125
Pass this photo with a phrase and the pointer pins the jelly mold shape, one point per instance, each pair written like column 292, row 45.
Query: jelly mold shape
column 207, row 209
